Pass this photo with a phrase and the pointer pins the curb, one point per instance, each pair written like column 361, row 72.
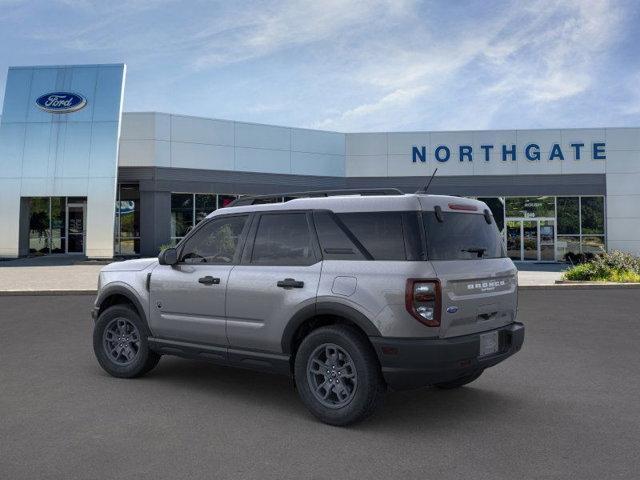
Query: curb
column 581, row 286
column 22, row 293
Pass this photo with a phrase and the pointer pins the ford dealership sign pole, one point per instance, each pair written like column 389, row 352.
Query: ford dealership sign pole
column 61, row 102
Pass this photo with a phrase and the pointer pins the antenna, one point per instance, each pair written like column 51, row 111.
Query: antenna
column 426, row 187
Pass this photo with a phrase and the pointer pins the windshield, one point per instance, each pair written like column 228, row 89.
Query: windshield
column 462, row 236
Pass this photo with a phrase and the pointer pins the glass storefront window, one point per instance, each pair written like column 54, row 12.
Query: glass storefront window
column 48, row 227
column 567, row 244
column 568, row 216
column 592, row 213
column 39, row 225
column 580, row 223
column 205, row 204
column 189, row 209
column 593, row 244
column 181, row 214
column 225, row 200
column 530, row 207
column 127, row 226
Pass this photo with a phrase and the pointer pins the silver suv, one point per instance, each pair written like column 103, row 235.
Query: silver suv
column 348, row 294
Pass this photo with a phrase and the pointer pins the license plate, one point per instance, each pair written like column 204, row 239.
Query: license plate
column 488, row 343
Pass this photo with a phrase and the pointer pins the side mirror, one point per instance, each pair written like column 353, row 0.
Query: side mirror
column 168, row 257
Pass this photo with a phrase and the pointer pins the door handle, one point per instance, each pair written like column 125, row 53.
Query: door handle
column 209, row 280
column 290, row 283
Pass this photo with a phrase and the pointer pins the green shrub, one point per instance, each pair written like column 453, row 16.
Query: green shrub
column 607, row 267
column 582, row 271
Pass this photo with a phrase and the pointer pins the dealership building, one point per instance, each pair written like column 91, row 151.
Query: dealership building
column 80, row 176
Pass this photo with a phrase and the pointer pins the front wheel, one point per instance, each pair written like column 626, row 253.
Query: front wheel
column 120, row 343
column 338, row 376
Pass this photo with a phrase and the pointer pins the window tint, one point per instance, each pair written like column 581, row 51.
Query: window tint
column 334, row 242
column 381, row 233
column 283, row 239
column 216, row 242
column 462, row 236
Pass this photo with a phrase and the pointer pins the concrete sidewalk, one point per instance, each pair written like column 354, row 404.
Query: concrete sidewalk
column 63, row 274
column 539, row 274
column 67, row 275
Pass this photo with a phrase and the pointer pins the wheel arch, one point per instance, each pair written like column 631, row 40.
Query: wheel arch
column 118, row 294
column 320, row 314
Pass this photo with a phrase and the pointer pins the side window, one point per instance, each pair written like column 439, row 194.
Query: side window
column 283, row 239
column 334, row 242
column 216, row 242
column 381, row 233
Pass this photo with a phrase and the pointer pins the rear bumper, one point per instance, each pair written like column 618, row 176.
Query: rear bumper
column 411, row 363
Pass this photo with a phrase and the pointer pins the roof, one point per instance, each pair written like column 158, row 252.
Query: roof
column 365, row 203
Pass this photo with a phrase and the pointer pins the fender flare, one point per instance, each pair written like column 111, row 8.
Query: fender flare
column 326, row 308
column 121, row 289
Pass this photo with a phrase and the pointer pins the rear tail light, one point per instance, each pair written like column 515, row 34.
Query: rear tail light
column 422, row 299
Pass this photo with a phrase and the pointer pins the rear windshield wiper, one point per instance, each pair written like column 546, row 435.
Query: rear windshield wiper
column 479, row 251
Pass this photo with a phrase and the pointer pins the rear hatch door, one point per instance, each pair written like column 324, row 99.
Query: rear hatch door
column 477, row 295
column 478, row 283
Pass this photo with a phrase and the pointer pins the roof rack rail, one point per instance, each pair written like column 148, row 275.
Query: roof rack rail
column 257, row 199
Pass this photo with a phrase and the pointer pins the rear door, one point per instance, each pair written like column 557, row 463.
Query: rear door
column 278, row 275
column 187, row 300
column 478, row 283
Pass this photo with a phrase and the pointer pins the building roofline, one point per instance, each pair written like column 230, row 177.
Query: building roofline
column 378, row 132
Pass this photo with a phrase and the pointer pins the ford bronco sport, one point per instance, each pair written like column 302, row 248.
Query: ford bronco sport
column 348, row 294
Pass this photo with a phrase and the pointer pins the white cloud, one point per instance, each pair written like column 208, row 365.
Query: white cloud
column 538, row 54
column 350, row 64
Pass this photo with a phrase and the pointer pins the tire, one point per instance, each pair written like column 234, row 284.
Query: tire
column 131, row 358
column 459, row 382
column 354, row 390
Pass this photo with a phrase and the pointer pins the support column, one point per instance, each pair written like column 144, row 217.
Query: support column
column 155, row 221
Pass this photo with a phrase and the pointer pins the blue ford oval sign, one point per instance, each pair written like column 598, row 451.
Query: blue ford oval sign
column 61, row 102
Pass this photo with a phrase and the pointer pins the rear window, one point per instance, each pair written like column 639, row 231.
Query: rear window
column 384, row 235
column 461, row 236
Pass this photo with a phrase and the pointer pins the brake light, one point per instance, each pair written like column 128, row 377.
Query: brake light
column 460, row 206
column 422, row 300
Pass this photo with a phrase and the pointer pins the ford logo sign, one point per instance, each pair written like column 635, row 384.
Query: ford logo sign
column 61, row 102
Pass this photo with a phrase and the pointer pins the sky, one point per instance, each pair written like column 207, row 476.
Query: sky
column 348, row 65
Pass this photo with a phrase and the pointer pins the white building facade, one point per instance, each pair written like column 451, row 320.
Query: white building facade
column 553, row 192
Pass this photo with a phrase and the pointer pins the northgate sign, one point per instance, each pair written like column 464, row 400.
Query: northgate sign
column 531, row 152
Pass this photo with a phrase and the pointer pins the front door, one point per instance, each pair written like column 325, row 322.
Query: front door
column 75, row 227
column 531, row 239
column 187, row 300
column 278, row 276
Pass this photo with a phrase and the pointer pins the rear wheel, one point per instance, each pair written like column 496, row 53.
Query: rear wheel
column 460, row 381
column 120, row 343
column 337, row 375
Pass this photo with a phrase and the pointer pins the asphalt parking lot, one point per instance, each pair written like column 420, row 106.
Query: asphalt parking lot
column 567, row 406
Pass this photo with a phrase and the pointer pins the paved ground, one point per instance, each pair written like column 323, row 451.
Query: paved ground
column 565, row 407
column 47, row 273
column 62, row 274
column 539, row 273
